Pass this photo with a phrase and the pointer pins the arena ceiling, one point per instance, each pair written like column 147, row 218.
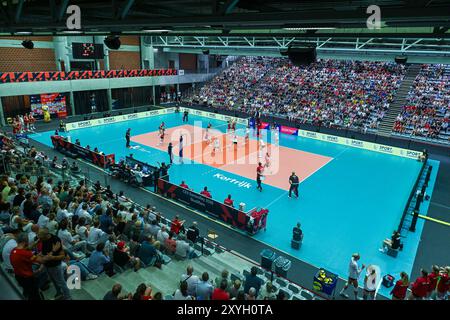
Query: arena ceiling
column 299, row 18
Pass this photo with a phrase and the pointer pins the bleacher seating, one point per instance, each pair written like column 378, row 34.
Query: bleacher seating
column 427, row 112
column 349, row 94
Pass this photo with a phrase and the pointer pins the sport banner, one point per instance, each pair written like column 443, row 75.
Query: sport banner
column 114, row 119
column 62, row 145
column 229, row 215
column 218, row 116
column 8, row 77
column 406, row 153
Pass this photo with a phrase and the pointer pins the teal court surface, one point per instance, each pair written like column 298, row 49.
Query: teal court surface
column 350, row 198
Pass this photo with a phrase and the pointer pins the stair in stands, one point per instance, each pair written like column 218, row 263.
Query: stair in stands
column 400, row 100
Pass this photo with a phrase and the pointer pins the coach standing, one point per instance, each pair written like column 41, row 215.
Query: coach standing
column 293, row 181
column 169, row 151
column 127, row 137
column 259, row 176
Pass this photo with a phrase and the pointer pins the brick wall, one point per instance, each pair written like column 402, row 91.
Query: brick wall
column 126, row 60
column 22, row 60
column 19, row 59
column 129, row 40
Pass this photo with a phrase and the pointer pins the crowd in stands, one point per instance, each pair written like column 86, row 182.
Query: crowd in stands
column 427, row 111
column 349, row 94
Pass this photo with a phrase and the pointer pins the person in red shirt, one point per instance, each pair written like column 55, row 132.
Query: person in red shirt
column 419, row 288
column 221, row 293
column 433, row 278
column 22, row 260
column 400, row 288
column 443, row 284
column 184, row 185
column 228, row 201
column 177, row 225
column 206, row 193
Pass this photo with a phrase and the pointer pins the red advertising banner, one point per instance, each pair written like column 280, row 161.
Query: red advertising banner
column 8, row 77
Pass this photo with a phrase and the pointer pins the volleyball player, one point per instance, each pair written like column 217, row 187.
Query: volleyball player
column 247, row 134
column 267, row 163
column 161, row 138
column 353, row 275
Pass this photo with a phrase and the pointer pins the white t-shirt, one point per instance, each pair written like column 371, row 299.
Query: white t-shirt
column 62, row 214
column 182, row 248
column 6, row 253
column 42, row 221
column 31, row 237
column 179, row 296
column 66, row 238
column 192, row 282
column 95, row 235
column 353, row 270
column 162, row 236
column 81, row 231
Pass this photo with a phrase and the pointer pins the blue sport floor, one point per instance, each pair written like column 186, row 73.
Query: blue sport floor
column 350, row 205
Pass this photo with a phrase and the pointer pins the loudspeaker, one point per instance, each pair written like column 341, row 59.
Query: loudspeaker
column 28, row 44
column 112, row 42
column 401, row 59
column 302, row 56
column 205, row 51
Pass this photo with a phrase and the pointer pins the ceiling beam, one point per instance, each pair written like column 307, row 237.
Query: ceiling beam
column 126, row 9
column 229, row 6
column 62, row 9
column 19, row 10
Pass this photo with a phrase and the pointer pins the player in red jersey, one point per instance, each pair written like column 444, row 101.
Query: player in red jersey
column 228, row 201
column 419, row 288
column 401, row 287
column 443, row 284
column 433, row 278
column 26, row 121
column 32, row 120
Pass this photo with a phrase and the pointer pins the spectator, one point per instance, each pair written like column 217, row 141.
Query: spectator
column 99, row 262
column 204, row 288
column 22, row 260
column 170, row 244
column 224, row 276
column 183, row 250
column 234, row 290
column 253, row 281
column 70, row 243
column 143, row 292
column 251, row 294
column 182, row 292
column 8, row 247
column 191, row 279
column 122, row 258
column 433, row 278
column 148, row 254
column 221, row 292
column 52, row 257
column 114, row 294
column 267, row 292
column 96, row 235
